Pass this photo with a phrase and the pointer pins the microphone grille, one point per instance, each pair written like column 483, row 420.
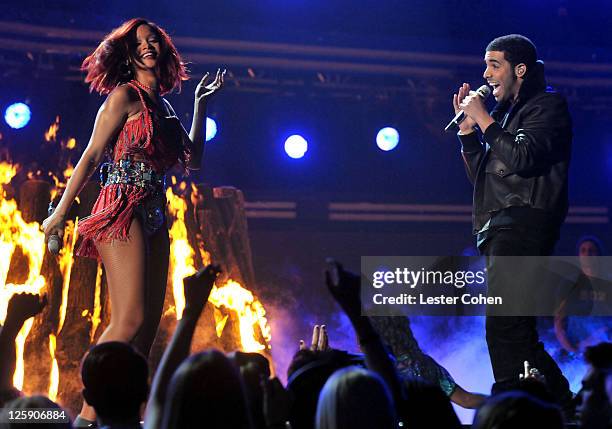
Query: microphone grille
column 484, row 91
column 53, row 244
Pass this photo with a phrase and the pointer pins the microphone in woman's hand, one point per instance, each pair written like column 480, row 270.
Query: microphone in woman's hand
column 54, row 244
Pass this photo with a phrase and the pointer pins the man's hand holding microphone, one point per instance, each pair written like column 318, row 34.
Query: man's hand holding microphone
column 470, row 109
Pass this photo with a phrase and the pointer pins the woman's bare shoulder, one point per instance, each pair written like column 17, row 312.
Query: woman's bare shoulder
column 125, row 99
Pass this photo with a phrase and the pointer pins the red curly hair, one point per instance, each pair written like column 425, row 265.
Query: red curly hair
column 106, row 66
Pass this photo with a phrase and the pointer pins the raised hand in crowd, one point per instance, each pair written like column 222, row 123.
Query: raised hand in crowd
column 345, row 287
column 532, row 381
column 197, row 288
column 20, row 308
column 531, row 373
column 320, row 339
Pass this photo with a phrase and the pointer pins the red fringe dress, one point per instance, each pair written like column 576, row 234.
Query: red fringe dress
column 150, row 138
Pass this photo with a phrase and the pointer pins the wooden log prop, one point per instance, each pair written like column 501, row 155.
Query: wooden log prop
column 218, row 216
column 216, row 222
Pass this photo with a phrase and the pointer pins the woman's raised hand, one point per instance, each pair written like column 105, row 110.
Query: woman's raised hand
column 206, row 89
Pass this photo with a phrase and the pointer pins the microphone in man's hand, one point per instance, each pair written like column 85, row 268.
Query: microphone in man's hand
column 54, row 243
column 484, row 91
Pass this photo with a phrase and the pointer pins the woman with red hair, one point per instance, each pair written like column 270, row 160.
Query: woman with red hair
column 136, row 64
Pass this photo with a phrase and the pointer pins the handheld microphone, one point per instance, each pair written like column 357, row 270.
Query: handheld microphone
column 484, row 91
column 53, row 243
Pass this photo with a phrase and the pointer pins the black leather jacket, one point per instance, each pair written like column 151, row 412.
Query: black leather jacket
column 524, row 159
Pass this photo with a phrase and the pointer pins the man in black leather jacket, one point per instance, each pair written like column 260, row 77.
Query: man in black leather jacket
column 519, row 170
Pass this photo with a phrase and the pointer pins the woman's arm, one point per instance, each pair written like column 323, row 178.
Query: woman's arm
column 109, row 120
column 196, row 134
column 203, row 93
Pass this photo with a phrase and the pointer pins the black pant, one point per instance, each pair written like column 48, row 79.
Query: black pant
column 514, row 339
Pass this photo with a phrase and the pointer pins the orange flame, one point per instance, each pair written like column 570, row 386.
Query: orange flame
column 250, row 312
column 69, row 170
column 65, row 264
column 181, row 254
column 54, row 379
column 51, row 133
column 19, row 374
column 195, row 198
column 7, row 172
column 16, row 232
column 95, row 317
column 71, row 143
column 57, row 185
column 206, row 258
column 220, row 321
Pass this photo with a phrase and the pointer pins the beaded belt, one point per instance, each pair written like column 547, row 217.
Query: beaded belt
column 129, row 172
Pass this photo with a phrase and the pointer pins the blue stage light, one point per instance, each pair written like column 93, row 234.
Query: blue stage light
column 387, row 139
column 17, row 115
column 211, row 129
column 296, row 146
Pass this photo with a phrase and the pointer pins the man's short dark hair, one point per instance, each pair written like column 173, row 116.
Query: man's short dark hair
column 115, row 377
column 517, row 49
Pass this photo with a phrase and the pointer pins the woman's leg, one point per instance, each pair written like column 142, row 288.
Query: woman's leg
column 155, row 288
column 125, row 265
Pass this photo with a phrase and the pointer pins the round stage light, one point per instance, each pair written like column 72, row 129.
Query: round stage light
column 296, row 146
column 387, row 139
column 17, row 115
column 211, row 129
